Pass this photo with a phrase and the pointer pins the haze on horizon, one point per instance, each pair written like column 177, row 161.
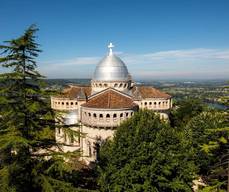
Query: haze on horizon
column 156, row 39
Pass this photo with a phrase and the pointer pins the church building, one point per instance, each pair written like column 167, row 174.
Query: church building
column 99, row 108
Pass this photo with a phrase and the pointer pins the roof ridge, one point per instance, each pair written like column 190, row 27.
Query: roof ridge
column 110, row 100
column 109, row 89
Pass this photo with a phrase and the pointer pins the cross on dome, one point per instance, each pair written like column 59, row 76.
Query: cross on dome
column 111, row 68
column 110, row 46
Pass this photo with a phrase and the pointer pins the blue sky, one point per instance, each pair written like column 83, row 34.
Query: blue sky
column 157, row 39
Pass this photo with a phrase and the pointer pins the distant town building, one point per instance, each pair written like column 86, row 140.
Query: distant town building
column 112, row 98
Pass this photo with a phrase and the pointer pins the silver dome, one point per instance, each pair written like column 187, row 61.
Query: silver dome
column 111, row 68
column 71, row 118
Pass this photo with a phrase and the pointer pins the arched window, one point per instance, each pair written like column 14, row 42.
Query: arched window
column 105, row 85
column 100, row 85
column 145, row 103
column 58, row 103
column 159, row 103
column 115, row 117
column 150, row 103
column 85, row 113
column 94, row 115
column 115, row 85
column 67, row 103
column 108, row 117
column 62, row 103
column 120, row 85
column 100, row 115
column 89, row 114
column 76, row 103
column 121, row 115
column 71, row 103
column 127, row 114
column 131, row 113
column 155, row 103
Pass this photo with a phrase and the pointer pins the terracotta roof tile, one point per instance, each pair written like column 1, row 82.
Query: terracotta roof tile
column 150, row 92
column 138, row 92
column 110, row 99
column 76, row 91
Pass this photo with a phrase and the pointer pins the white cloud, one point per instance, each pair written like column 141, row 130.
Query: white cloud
column 72, row 62
column 173, row 63
column 175, row 55
column 182, row 74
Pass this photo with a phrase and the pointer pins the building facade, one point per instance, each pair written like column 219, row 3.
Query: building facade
column 99, row 108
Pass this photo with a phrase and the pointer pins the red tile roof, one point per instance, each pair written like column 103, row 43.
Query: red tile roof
column 110, row 99
column 150, row 92
column 76, row 92
column 138, row 92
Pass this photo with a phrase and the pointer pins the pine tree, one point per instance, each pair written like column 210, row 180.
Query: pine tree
column 209, row 133
column 187, row 109
column 28, row 161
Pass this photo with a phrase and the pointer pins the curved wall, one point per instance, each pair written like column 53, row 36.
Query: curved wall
column 104, row 118
column 156, row 104
column 122, row 86
column 59, row 103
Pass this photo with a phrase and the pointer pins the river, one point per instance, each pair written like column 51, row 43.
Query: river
column 216, row 105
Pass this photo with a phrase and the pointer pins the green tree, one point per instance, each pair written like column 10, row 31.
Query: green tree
column 225, row 99
column 28, row 161
column 208, row 132
column 186, row 109
column 146, row 154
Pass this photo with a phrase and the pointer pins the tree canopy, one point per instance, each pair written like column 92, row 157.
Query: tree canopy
column 146, row 154
column 209, row 133
column 185, row 111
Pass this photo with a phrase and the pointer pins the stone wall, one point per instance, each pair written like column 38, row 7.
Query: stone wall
column 104, row 117
column 93, row 137
column 155, row 104
column 59, row 103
